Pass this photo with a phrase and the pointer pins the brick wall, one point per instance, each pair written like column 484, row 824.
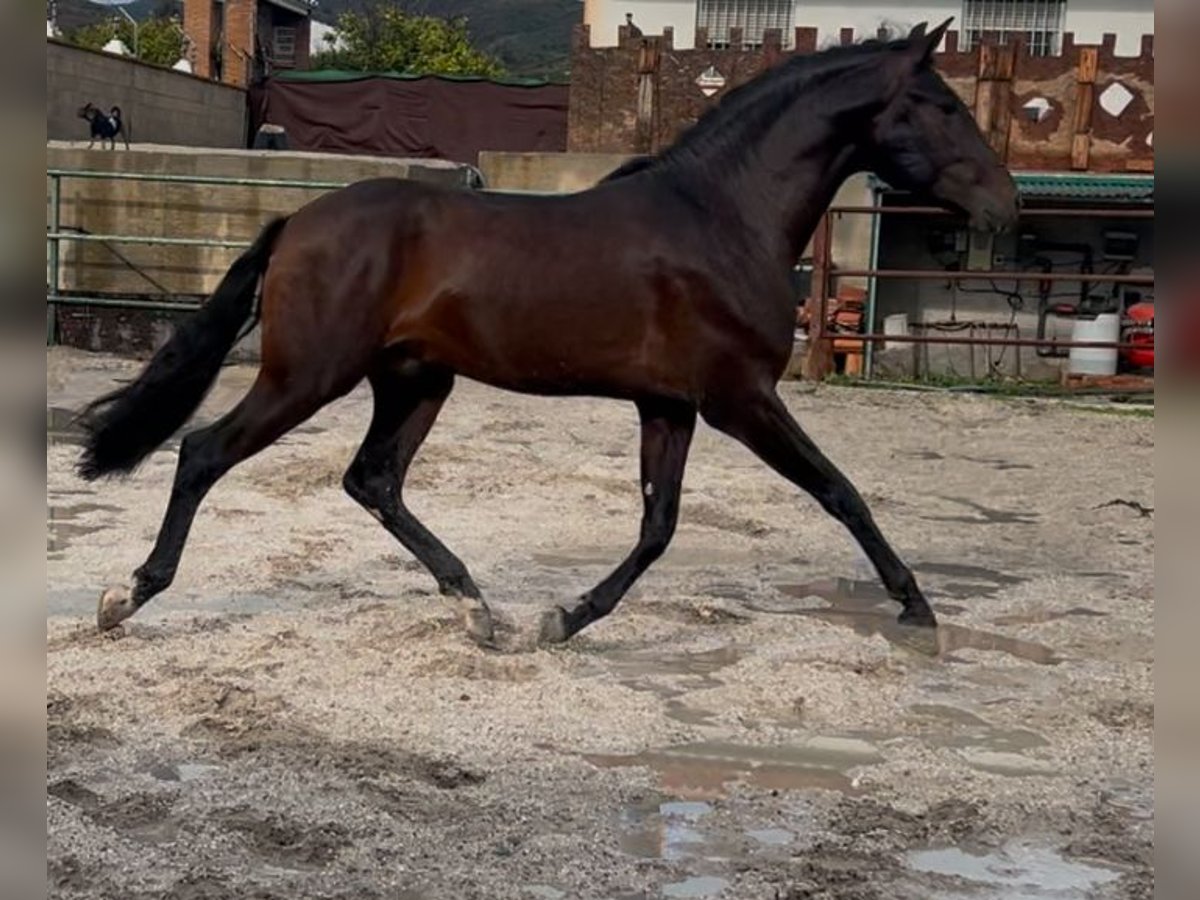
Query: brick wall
column 1098, row 114
column 200, row 21
column 237, row 54
column 160, row 106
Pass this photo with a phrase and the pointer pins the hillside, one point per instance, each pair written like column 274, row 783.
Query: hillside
column 530, row 37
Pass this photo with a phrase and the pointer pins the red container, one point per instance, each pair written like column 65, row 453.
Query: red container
column 1138, row 328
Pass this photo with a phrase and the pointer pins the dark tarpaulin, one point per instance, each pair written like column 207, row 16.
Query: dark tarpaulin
column 415, row 117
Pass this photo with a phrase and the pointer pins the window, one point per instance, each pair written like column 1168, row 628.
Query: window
column 283, row 53
column 752, row 16
column 1040, row 21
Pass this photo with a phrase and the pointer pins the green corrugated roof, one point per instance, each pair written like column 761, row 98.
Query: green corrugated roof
column 1077, row 186
column 1086, row 186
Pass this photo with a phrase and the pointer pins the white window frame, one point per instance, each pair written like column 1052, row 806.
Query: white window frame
column 1039, row 21
column 752, row 16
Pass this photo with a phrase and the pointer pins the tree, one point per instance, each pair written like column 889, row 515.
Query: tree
column 385, row 38
column 159, row 39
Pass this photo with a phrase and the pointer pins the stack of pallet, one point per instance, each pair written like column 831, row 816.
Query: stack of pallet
column 846, row 314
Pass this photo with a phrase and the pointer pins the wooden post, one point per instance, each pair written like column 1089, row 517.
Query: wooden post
column 818, row 356
column 648, row 59
column 1085, row 102
column 993, row 93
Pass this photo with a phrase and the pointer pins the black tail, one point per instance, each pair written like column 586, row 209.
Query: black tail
column 124, row 427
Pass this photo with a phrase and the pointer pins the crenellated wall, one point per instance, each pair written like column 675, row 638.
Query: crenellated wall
column 1087, row 109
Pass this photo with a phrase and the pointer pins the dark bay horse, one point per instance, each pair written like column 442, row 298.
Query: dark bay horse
column 665, row 285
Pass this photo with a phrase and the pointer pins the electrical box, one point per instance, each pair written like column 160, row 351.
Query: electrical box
column 1120, row 246
column 980, row 250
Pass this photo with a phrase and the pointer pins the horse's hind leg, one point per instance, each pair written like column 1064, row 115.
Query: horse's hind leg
column 762, row 423
column 407, row 401
column 667, row 428
column 272, row 407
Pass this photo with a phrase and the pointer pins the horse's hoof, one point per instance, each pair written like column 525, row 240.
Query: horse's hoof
column 920, row 616
column 554, row 627
column 478, row 622
column 116, row 605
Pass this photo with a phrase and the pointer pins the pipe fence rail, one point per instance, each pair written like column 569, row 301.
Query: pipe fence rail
column 56, row 233
column 823, row 273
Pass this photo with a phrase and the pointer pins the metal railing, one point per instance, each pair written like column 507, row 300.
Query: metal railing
column 56, row 233
column 824, row 272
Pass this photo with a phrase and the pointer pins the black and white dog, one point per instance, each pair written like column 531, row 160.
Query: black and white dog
column 104, row 127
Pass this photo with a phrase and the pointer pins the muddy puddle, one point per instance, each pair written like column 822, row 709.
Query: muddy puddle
column 979, row 743
column 61, row 427
column 686, row 831
column 1013, row 872
column 978, row 514
column 64, row 525
column 679, row 554
column 1041, row 617
column 706, row 770
column 866, row 608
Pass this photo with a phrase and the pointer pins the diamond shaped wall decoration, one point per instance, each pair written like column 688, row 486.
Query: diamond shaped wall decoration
column 1115, row 99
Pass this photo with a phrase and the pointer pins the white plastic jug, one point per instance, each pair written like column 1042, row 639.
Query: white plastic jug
column 1095, row 360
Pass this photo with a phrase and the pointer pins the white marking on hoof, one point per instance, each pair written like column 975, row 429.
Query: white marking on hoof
column 116, row 605
column 476, row 618
column 554, row 626
column 478, row 622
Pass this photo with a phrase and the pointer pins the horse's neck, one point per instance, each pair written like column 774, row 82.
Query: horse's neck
column 792, row 169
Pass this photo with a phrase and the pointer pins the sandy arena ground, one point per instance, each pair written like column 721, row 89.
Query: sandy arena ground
column 300, row 716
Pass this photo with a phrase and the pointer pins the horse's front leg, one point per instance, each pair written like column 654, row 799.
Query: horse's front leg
column 667, row 427
column 758, row 419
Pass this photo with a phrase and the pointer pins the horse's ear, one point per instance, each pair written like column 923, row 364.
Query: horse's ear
column 928, row 43
column 918, row 31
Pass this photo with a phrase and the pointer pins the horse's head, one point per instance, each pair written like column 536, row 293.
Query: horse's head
column 926, row 141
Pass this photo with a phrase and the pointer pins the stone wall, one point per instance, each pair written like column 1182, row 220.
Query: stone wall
column 159, row 105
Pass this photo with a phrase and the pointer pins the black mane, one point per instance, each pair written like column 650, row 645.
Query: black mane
column 762, row 99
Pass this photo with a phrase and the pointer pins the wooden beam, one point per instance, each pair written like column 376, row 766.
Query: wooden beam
column 1085, row 102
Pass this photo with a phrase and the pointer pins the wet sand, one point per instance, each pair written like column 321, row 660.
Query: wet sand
column 300, row 716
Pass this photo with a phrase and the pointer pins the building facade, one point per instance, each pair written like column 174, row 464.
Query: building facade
column 1042, row 22
column 240, row 41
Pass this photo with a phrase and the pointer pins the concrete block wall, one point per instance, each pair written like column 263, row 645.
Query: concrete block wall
column 235, row 213
column 557, row 172
column 160, row 106
column 569, row 172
